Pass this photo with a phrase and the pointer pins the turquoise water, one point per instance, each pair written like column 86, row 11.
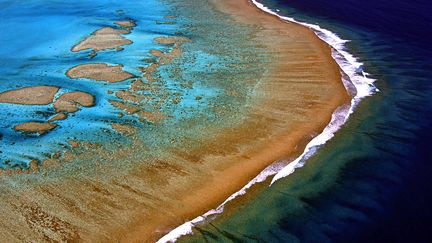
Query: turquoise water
column 37, row 38
column 40, row 35
column 368, row 184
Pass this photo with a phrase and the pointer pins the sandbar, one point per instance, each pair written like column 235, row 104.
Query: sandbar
column 125, row 24
column 69, row 102
column 99, row 72
column 103, row 39
column 35, row 127
column 35, row 95
column 156, row 53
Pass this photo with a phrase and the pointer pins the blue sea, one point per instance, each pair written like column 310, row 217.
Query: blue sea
column 36, row 42
column 372, row 181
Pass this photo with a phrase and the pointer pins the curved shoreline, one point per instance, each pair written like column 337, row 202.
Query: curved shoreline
column 357, row 84
column 279, row 92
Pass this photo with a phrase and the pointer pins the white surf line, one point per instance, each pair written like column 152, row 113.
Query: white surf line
column 356, row 77
column 187, row 227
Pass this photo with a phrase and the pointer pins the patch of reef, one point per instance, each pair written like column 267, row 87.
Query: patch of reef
column 142, row 99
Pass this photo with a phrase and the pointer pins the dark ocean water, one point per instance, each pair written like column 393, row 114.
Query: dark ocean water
column 373, row 181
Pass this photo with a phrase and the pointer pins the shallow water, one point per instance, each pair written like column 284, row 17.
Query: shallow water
column 371, row 182
column 159, row 159
column 39, row 36
column 372, row 177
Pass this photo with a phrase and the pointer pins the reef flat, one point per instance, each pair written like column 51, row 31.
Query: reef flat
column 69, row 102
column 106, row 38
column 183, row 119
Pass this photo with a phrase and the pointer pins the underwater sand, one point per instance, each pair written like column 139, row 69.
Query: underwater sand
column 222, row 100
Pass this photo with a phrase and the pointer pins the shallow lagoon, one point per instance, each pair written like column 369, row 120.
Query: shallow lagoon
column 39, row 38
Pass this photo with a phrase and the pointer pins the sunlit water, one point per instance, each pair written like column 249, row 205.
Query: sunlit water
column 37, row 38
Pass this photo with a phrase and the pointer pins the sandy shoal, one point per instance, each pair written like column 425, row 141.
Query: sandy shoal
column 99, row 72
column 300, row 92
column 35, row 127
column 105, row 38
column 293, row 102
column 36, row 95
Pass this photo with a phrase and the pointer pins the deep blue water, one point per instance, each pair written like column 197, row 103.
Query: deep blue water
column 393, row 38
column 373, row 181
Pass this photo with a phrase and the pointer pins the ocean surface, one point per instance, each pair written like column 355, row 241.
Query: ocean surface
column 371, row 182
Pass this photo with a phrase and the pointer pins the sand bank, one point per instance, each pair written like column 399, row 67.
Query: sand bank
column 44, row 95
column 100, row 72
column 36, row 95
column 125, row 24
column 70, row 102
column 106, row 38
column 35, row 127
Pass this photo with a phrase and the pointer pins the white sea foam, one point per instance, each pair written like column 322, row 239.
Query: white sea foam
column 187, row 227
column 358, row 84
column 354, row 77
